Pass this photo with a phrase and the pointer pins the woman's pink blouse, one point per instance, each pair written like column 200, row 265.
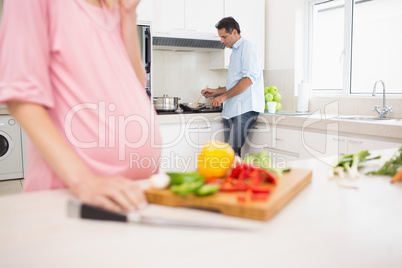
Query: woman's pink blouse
column 69, row 57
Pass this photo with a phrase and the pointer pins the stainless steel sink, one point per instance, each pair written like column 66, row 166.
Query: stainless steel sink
column 364, row 118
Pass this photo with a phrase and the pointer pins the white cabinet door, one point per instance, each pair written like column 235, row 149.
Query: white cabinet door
column 251, row 18
column 209, row 131
column 358, row 144
column 168, row 15
column 181, row 143
column 145, row 11
column 319, row 145
column 258, row 138
column 201, row 16
column 179, row 147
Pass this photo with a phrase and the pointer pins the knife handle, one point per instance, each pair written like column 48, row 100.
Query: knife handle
column 84, row 211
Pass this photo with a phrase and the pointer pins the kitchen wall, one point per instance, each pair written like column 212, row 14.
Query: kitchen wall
column 184, row 74
column 355, row 105
column 284, row 39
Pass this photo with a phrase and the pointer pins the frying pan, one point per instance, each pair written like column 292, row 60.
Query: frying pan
column 188, row 107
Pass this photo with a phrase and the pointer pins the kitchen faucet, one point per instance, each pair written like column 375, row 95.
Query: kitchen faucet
column 385, row 108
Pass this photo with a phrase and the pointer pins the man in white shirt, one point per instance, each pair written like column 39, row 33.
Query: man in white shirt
column 243, row 96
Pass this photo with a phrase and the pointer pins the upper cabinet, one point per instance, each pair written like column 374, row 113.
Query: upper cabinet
column 168, row 15
column 187, row 15
column 251, row 18
column 201, row 16
column 145, row 11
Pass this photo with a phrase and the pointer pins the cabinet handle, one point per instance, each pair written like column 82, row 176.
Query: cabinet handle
column 355, row 142
column 338, row 139
column 204, row 128
column 279, row 139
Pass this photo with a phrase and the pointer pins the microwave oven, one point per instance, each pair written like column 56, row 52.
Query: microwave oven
column 144, row 38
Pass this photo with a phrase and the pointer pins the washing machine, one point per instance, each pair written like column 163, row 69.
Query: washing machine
column 11, row 151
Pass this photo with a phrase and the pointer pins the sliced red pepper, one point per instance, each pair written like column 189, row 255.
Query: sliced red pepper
column 233, row 187
column 213, row 181
column 260, row 189
column 235, row 172
column 259, row 197
column 270, row 177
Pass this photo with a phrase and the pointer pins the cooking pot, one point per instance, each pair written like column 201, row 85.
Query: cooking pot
column 166, row 103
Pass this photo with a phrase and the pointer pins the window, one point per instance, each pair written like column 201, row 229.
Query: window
column 354, row 43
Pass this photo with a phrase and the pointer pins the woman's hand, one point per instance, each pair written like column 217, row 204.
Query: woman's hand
column 115, row 193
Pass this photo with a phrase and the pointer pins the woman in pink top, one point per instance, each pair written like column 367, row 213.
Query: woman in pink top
column 72, row 76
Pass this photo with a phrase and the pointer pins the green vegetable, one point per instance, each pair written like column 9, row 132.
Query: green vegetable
column 207, row 189
column 262, row 160
column 391, row 166
column 351, row 163
column 177, row 178
column 186, row 187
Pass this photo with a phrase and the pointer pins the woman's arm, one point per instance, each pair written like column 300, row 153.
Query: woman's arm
column 130, row 35
column 116, row 194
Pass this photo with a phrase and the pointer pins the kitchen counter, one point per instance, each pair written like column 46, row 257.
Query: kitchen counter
column 390, row 130
column 325, row 225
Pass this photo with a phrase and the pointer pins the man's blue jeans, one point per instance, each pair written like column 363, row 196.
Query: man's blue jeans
column 237, row 128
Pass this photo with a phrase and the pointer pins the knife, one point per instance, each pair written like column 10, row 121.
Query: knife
column 76, row 209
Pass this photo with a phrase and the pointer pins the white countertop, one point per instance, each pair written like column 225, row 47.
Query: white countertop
column 323, row 226
column 385, row 129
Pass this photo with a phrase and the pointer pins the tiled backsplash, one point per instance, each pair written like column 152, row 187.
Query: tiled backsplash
column 184, row 74
column 284, row 80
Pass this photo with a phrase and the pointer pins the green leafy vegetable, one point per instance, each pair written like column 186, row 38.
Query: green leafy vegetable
column 262, row 160
column 350, row 164
column 177, row 178
column 391, row 166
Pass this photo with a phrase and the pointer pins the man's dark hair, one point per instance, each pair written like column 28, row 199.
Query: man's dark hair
column 229, row 24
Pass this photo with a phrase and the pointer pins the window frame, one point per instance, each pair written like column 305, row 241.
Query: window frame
column 348, row 50
column 347, row 63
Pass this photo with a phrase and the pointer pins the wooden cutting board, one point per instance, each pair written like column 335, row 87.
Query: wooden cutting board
column 290, row 184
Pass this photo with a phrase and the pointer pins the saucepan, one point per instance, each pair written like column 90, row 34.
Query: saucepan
column 166, row 103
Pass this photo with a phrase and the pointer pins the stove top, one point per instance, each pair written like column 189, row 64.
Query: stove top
column 180, row 111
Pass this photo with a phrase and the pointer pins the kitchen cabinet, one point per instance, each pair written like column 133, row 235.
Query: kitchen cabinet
column 357, row 144
column 321, row 144
column 168, row 15
column 210, row 131
column 182, row 142
column 179, row 147
column 187, row 15
column 281, row 143
column 201, row 16
column 145, row 11
column 251, row 18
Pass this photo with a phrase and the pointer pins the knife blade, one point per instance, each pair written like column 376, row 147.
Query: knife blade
column 76, row 209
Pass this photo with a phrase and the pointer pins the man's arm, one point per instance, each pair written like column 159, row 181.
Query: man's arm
column 240, row 87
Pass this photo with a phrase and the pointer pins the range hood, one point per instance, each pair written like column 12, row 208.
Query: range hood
column 186, row 41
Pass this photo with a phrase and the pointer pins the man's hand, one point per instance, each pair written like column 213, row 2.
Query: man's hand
column 209, row 92
column 216, row 102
